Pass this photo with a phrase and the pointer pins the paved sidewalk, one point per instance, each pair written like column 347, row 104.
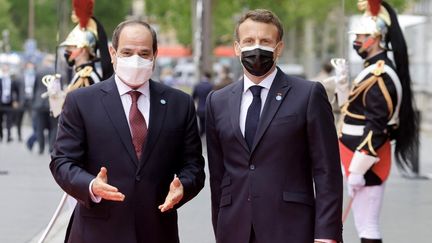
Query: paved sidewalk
column 30, row 197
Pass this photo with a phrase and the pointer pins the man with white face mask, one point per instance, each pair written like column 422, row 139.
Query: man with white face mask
column 128, row 149
column 272, row 148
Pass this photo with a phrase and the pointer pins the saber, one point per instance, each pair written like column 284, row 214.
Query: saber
column 53, row 218
column 347, row 209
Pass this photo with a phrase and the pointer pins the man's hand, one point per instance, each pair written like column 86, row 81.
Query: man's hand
column 102, row 189
column 174, row 196
column 15, row 104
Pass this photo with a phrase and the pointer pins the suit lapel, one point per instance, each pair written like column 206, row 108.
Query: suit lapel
column 158, row 106
column 278, row 90
column 113, row 106
column 235, row 102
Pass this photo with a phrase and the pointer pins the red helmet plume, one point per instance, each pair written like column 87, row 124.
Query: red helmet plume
column 374, row 7
column 83, row 10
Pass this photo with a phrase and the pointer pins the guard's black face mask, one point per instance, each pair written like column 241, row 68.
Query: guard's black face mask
column 357, row 46
column 257, row 61
column 67, row 55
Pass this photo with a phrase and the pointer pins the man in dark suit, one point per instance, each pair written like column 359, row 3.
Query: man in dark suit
column 40, row 106
column 26, row 90
column 9, row 97
column 121, row 142
column 272, row 148
column 199, row 94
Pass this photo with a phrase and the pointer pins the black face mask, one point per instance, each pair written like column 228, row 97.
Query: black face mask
column 67, row 55
column 357, row 48
column 257, row 61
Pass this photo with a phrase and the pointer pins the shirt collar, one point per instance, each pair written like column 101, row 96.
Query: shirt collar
column 372, row 60
column 123, row 88
column 265, row 83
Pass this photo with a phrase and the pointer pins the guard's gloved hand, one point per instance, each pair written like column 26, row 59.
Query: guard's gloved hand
column 341, row 79
column 355, row 182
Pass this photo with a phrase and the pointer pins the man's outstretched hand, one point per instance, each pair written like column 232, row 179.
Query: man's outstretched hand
column 174, row 196
column 101, row 188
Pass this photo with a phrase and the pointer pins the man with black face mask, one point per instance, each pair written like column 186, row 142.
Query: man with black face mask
column 272, row 148
column 381, row 91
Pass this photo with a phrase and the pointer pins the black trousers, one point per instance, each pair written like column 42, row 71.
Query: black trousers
column 6, row 114
column 19, row 115
column 252, row 238
column 45, row 122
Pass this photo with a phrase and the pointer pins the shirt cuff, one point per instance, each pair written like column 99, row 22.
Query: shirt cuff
column 95, row 199
column 325, row 241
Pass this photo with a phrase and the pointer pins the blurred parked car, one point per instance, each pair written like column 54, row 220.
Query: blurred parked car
column 292, row 69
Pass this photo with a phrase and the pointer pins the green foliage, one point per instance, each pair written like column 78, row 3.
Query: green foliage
column 49, row 14
column 290, row 12
column 167, row 14
column 173, row 15
column 111, row 13
column 7, row 23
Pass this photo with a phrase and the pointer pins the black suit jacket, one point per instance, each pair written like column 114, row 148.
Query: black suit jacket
column 200, row 92
column 93, row 132
column 289, row 185
column 14, row 92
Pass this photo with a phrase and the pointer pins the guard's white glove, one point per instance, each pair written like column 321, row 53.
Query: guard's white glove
column 330, row 87
column 355, row 182
column 341, row 79
column 55, row 94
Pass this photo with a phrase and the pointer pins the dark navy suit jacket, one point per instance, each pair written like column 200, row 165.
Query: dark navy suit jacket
column 93, row 132
column 289, row 185
column 14, row 93
column 200, row 92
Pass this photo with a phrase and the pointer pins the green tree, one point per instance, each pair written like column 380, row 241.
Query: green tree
column 111, row 13
column 6, row 23
column 168, row 15
column 291, row 12
column 50, row 13
column 45, row 18
column 173, row 15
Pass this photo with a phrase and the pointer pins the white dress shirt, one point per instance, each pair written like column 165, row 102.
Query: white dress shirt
column 143, row 107
column 6, row 89
column 143, row 100
column 247, row 96
column 29, row 83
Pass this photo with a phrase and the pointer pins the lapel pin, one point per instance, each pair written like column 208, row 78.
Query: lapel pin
column 163, row 102
column 279, row 96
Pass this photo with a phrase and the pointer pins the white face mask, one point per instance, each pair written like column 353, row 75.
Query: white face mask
column 134, row 70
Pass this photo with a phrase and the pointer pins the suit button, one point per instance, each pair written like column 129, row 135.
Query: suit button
column 249, row 199
column 252, row 167
column 137, row 178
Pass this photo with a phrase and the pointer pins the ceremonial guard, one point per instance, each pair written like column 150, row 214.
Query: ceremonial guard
column 378, row 113
column 85, row 47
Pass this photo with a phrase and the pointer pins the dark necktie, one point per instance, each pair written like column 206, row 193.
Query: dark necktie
column 253, row 115
column 137, row 124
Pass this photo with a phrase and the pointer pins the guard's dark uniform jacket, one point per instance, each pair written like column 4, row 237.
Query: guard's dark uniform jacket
column 370, row 115
column 85, row 75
